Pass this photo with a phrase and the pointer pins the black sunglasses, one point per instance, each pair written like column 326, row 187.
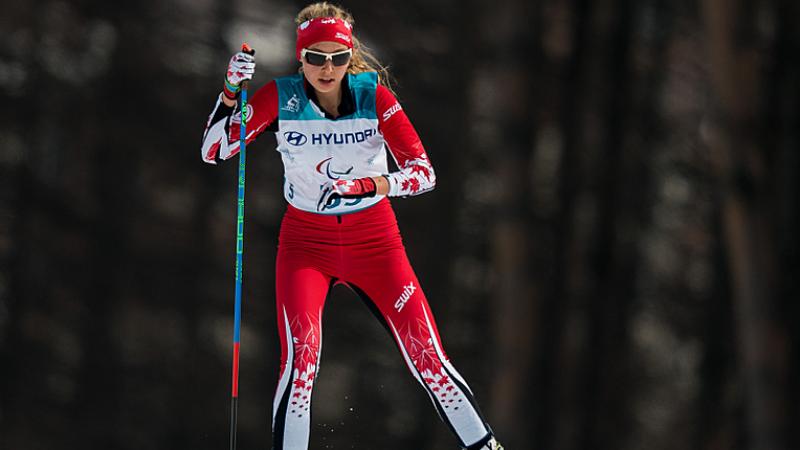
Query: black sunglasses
column 316, row 58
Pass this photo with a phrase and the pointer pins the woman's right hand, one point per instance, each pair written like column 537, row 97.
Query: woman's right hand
column 241, row 67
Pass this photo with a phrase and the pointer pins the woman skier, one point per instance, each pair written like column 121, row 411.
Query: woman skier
column 334, row 121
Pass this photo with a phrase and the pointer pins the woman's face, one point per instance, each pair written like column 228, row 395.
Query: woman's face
column 326, row 78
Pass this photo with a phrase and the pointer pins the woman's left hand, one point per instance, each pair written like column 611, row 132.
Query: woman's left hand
column 358, row 188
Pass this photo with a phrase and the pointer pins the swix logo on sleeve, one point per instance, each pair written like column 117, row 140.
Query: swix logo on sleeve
column 390, row 112
column 405, row 296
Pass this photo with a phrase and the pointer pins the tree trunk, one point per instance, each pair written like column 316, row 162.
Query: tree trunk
column 741, row 172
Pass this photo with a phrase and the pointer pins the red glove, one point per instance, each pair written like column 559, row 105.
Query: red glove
column 358, row 188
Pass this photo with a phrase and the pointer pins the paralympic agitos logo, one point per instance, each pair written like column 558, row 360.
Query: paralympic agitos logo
column 332, row 174
column 298, row 139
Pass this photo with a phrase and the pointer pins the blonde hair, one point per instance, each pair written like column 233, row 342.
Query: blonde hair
column 362, row 60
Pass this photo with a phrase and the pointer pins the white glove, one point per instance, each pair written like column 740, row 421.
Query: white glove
column 241, row 67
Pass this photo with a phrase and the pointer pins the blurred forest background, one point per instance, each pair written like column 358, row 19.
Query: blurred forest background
column 611, row 250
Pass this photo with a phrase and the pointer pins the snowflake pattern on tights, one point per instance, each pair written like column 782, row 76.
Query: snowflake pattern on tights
column 418, row 343
column 306, row 335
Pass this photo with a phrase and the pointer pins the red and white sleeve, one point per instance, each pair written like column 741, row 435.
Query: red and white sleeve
column 416, row 173
column 221, row 137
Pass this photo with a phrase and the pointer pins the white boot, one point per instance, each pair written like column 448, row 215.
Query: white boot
column 493, row 445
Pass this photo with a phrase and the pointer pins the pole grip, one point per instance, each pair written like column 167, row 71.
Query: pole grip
column 250, row 51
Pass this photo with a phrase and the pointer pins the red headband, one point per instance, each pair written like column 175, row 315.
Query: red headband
column 324, row 29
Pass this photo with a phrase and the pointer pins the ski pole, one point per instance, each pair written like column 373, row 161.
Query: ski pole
column 237, row 314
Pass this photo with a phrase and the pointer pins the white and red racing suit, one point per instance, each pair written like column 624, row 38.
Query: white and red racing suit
column 356, row 242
